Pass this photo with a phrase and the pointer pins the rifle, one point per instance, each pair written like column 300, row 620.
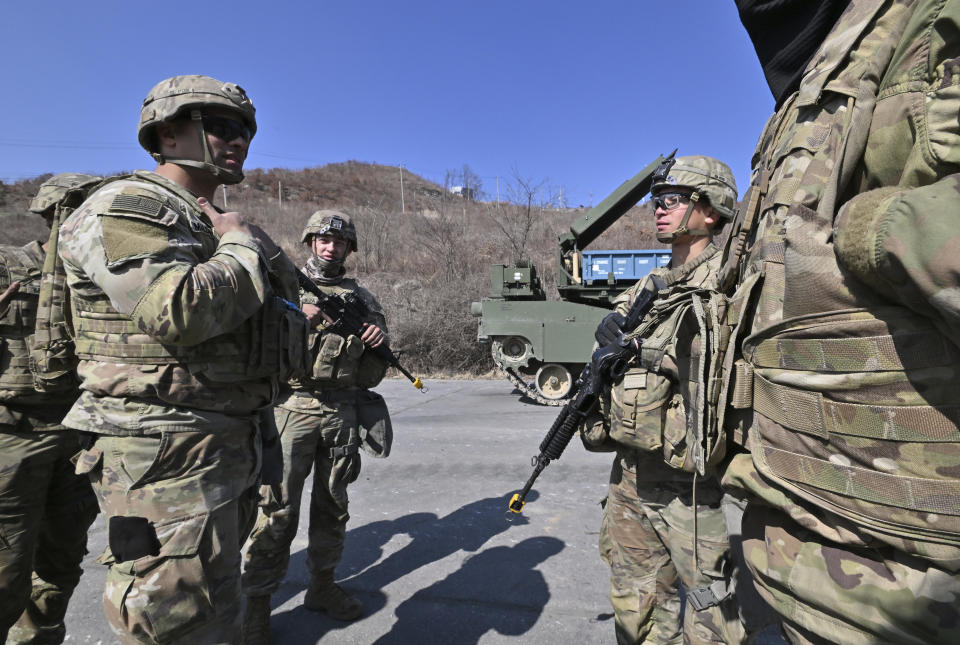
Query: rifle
column 607, row 364
column 346, row 316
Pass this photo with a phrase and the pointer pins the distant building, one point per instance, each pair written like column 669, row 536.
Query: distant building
column 464, row 191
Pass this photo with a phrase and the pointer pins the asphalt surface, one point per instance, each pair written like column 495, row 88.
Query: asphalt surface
column 429, row 548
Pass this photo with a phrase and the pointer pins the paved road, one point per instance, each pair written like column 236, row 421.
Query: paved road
column 429, row 549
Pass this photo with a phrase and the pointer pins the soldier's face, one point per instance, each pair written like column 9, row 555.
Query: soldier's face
column 331, row 247
column 668, row 219
column 228, row 154
column 179, row 140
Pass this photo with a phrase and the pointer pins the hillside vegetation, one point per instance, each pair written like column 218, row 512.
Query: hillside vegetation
column 425, row 257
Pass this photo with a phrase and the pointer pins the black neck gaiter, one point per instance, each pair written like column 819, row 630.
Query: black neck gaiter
column 786, row 34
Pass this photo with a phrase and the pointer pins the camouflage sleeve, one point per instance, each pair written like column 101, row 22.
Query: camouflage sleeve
column 903, row 241
column 160, row 271
column 903, row 244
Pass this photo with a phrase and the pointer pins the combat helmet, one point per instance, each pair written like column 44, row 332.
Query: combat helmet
column 330, row 221
column 62, row 193
column 707, row 178
column 191, row 94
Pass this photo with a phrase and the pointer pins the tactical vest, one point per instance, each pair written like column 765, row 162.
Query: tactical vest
column 854, row 399
column 271, row 343
column 17, row 321
column 341, row 362
column 648, row 410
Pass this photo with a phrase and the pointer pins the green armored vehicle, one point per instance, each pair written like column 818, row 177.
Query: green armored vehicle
column 543, row 344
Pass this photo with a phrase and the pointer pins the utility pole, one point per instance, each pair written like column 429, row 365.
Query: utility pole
column 280, row 193
column 498, row 190
column 403, row 206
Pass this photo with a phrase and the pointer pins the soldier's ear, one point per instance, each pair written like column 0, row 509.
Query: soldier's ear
column 166, row 135
column 711, row 218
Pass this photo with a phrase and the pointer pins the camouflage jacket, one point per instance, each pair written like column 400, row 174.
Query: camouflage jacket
column 644, row 413
column 164, row 310
column 846, row 389
column 21, row 406
column 338, row 362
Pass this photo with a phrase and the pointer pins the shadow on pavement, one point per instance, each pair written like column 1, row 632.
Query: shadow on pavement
column 475, row 585
column 498, row 589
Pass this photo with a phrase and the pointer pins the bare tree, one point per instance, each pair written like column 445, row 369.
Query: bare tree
column 467, row 180
column 376, row 233
column 518, row 216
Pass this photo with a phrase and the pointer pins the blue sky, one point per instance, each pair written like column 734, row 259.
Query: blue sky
column 579, row 94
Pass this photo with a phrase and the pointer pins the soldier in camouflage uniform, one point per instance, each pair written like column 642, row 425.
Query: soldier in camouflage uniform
column 843, row 391
column 661, row 525
column 183, row 335
column 323, row 423
column 45, row 508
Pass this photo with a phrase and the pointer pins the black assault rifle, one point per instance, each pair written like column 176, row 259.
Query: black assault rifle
column 607, row 364
column 346, row 316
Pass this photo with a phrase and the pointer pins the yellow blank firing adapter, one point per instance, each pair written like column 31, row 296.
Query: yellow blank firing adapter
column 516, row 504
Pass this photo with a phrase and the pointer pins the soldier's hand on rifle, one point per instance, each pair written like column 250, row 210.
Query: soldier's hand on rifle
column 610, row 328
column 312, row 312
column 7, row 295
column 372, row 335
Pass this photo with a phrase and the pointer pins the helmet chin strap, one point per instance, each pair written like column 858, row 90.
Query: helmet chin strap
column 225, row 176
column 681, row 230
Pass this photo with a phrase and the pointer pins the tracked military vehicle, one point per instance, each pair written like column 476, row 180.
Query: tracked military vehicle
column 543, row 344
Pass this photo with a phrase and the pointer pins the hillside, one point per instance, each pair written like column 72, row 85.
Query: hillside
column 425, row 263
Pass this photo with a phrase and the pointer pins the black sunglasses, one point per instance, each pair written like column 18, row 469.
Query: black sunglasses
column 225, row 128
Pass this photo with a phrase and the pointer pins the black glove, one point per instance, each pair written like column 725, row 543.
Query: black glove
column 610, row 328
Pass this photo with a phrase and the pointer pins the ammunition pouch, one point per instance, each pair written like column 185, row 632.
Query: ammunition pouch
column 279, row 346
column 685, row 336
column 340, row 361
column 17, row 322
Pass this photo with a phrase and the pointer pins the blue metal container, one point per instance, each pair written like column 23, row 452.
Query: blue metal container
column 628, row 266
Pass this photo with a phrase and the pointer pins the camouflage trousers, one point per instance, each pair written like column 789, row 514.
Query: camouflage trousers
column 309, row 442
column 831, row 593
column 45, row 511
column 179, row 507
column 655, row 539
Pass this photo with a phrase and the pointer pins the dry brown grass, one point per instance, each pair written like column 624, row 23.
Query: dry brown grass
column 425, row 265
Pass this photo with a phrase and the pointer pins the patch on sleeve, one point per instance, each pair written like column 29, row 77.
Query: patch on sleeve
column 126, row 238
column 142, row 207
column 137, row 204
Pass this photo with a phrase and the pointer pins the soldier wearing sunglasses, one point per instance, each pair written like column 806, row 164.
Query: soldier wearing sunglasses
column 662, row 525
column 170, row 299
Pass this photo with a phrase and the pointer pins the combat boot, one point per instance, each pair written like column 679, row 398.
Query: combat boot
column 256, row 621
column 324, row 595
